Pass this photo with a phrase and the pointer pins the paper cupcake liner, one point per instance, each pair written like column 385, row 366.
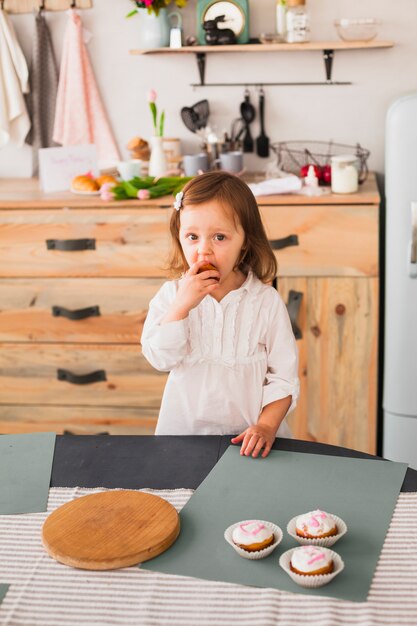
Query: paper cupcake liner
column 319, row 580
column 325, row 542
column 259, row 554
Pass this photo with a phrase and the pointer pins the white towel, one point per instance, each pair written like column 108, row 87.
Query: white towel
column 14, row 118
column 273, row 186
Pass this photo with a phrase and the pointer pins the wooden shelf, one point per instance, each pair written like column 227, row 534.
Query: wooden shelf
column 327, row 48
column 271, row 47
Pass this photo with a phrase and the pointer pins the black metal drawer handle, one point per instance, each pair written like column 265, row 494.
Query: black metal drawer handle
column 85, row 379
column 78, row 314
column 293, row 307
column 71, row 245
column 285, row 242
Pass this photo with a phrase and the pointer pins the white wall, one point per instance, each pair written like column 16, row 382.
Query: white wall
column 346, row 114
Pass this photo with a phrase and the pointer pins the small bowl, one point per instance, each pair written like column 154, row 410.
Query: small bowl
column 325, row 542
column 259, row 554
column 359, row 29
column 318, row 580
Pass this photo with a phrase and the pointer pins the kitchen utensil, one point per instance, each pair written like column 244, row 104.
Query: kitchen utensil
column 262, row 142
column 111, row 529
column 360, row 29
column 247, row 111
column 196, row 116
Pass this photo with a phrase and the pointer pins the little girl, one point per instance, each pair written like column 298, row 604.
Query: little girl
column 221, row 331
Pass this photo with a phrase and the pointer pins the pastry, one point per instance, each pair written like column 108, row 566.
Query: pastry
column 84, row 183
column 139, row 149
column 311, row 561
column 206, row 268
column 106, row 178
column 252, row 536
column 315, row 525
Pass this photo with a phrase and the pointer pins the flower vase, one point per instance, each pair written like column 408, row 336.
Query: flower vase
column 158, row 164
column 153, row 29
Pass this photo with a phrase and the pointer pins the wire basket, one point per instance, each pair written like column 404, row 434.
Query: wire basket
column 292, row 155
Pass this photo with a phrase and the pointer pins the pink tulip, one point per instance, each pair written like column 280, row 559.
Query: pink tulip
column 152, row 95
column 107, row 196
column 143, row 194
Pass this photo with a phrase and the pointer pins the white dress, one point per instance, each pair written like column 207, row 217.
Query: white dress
column 227, row 360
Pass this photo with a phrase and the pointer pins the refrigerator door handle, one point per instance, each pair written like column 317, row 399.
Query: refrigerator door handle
column 413, row 242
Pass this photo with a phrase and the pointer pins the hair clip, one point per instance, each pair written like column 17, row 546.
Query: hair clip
column 178, row 200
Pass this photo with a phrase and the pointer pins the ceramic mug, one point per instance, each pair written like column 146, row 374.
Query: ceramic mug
column 194, row 163
column 129, row 169
column 231, row 161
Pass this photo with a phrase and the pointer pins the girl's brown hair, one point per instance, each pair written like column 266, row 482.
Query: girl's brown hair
column 235, row 196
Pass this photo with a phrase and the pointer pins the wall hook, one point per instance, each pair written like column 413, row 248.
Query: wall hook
column 73, row 4
column 2, row 5
column 42, row 6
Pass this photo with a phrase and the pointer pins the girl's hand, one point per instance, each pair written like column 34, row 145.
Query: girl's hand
column 254, row 439
column 192, row 288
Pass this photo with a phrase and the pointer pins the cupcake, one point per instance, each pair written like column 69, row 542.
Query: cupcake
column 316, row 525
column 311, row 561
column 252, row 536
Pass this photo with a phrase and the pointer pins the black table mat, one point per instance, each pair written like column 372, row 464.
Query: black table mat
column 161, row 462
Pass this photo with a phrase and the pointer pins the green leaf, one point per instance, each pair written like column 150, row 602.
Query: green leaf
column 134, row 12
column 161, row 124
column 154, row 112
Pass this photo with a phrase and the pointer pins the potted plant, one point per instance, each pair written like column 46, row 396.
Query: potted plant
column 154, row 25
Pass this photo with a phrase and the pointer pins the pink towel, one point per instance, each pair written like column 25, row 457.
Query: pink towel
column 80, row 117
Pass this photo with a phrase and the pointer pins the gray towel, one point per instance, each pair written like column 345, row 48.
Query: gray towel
column 43, row 79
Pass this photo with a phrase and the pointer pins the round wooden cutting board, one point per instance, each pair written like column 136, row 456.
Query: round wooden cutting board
column 111, row 529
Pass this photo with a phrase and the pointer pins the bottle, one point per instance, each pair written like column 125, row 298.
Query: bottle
column 281, row 17
column 311, row 179
column 297, row 22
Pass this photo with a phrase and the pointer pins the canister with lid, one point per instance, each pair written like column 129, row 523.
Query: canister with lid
column 345, row 176
column 297, row 22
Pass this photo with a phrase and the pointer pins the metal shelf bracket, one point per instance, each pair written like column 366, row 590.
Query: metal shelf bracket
column 328, row 64
column 201, row 64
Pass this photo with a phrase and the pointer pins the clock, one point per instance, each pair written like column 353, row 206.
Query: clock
column 236, row 14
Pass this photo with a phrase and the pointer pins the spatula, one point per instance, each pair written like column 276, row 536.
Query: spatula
column 262, row 142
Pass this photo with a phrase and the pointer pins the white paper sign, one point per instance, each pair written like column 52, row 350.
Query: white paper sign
column 58, row 166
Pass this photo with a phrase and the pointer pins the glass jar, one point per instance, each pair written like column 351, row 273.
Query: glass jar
column 297, row 22
column 345, row 173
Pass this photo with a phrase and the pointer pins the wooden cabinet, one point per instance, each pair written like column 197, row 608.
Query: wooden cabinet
column 334, row 266
column 76, row 279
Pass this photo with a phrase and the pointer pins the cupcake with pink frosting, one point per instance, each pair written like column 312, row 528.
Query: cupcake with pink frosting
column 311, row 561
column 252, row 536
column 316, row 525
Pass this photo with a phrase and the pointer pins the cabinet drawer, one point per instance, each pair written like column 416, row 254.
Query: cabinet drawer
column 332, row 240
column 118, row 243
column 75, row 310
column 78, row 420
column 29, row 375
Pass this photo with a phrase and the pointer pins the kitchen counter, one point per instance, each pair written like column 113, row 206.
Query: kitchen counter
column 25, row 193
column 76, row 278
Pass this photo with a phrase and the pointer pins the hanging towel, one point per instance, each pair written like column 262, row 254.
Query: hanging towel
column 43, row 78
column 80, row 115
column 14, row 118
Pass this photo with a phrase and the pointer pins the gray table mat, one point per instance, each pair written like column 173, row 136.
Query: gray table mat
column 362, row 492
column 3, row 591
column 25, row 472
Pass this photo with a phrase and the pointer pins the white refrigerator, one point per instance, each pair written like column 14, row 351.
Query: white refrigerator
column 400, row 344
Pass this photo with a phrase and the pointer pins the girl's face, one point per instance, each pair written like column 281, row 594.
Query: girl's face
column 209, row 234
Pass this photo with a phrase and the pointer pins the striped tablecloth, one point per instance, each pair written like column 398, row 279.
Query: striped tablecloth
column 44, row 593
